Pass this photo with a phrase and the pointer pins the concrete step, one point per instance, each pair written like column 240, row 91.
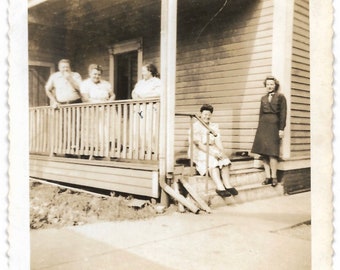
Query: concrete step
column 246, row 177
column 248, row 183
column 236, row 167
column 247, row 193
column 237, row 178
column 241, row 164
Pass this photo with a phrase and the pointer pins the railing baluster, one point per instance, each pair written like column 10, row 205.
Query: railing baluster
column 142, row 130
column 60, row 130
column 119, row 131
column 125, row 114
column 32, row 129
column 136, row 128
column 131, row 137
column 69, row 131
column 72, row 129
column 191, row 145
column 43, row 134
column 101, row 132
column 207, row 161
column 112, row 123
column 106, row 128
column 94, row 125
column 63, row 130
column 156, row 121
column 87, row 131
column 51, row 130
column 77, row 131
column 149, row 131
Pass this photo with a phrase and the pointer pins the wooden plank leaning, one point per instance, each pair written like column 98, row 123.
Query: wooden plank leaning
column 201, row 203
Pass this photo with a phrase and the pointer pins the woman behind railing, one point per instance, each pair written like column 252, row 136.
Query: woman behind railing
column 148, row 87
column 96, row 90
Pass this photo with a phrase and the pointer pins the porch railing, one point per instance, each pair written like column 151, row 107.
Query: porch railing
column 126, row 129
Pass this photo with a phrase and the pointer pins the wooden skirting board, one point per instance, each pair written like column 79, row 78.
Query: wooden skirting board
column 135, row 178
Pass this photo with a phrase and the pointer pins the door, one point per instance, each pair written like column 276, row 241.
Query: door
column 38, row 76
column 126, row 72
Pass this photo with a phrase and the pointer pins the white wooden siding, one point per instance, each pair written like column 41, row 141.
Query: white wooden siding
column 300, row 93
column 226, row 69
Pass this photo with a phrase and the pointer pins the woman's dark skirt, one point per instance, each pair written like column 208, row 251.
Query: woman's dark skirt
column 267, row 140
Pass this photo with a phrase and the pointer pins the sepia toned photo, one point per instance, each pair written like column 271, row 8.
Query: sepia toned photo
column 176, row 135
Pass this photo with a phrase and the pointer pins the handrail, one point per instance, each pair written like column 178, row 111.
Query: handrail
column 211, row 131
column 89, row 104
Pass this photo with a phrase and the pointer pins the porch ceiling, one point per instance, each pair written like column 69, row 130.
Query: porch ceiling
column 87, row 15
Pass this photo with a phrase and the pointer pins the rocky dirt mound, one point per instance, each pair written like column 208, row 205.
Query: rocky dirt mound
column 53, row 207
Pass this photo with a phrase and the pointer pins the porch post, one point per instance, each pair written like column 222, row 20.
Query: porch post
column 282, row 59
column 168, row 78
column 111, row 67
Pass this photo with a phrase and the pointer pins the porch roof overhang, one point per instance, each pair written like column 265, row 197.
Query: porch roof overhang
column 100, row 15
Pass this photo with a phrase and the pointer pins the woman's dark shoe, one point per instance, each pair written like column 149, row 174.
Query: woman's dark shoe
column 267, row 181
column 274, row 182
column 223, row 193
column 233, row 191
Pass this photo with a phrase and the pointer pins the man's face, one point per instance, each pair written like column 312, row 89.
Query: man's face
column 64, row 67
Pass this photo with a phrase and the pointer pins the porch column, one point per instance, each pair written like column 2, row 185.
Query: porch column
column 322, row 151
column 168, row 78
column 282, row 59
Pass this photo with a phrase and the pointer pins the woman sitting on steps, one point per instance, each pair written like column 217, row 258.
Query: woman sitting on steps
column 219, row 162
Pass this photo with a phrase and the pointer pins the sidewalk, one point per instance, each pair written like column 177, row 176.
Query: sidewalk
column 244, row 236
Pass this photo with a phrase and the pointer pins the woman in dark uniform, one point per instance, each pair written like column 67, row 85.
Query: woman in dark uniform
column 272, row 121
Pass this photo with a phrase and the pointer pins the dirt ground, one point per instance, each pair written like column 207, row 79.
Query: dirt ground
column 53, row 207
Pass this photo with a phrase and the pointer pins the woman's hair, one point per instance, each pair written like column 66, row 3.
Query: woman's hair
column 97, row 67
column 152, row 68
column 207, row 107
column 272, row 78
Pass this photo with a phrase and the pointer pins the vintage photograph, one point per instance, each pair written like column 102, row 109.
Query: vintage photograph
column 170, row 134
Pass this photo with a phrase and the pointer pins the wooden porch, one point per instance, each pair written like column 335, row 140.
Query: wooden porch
column 111, row 145
column 116, row 146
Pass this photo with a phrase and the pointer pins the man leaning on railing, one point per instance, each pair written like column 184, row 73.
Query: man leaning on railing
column 63, row 87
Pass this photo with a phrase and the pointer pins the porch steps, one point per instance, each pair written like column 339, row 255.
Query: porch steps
column 243, row 176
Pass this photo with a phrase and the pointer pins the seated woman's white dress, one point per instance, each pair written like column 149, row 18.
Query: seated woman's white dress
column 199, row 156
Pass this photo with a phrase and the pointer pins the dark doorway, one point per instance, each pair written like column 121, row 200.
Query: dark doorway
column 38, row 77
column 126, row 71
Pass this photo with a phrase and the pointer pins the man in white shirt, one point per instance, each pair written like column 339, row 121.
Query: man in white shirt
column 63, row 86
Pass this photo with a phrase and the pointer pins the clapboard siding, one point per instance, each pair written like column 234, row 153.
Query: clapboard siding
column 300, row 90
column 142, row 180
column 226, row 68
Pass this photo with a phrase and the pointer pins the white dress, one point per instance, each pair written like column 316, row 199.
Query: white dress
column 147, row 88
column 199, row 156
column 97, row 92
column 99, row 132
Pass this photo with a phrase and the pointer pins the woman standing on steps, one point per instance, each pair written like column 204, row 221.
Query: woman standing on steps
column 272, row 121
column 218, row 161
